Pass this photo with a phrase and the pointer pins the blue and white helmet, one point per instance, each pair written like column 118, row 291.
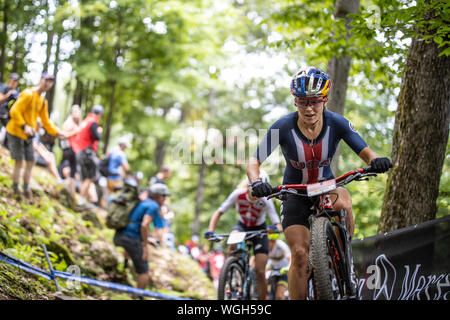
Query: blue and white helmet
column 310, row 82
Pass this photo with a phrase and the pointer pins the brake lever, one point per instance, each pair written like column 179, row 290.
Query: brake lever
column 369, row 174
column 215, row 239
column 282, row 194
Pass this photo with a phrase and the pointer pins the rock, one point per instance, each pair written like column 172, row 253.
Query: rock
column 61, row 250
column 91, row 215
column 104, row 254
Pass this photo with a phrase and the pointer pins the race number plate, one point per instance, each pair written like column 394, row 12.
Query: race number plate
column 236, row 237
column 320, row 187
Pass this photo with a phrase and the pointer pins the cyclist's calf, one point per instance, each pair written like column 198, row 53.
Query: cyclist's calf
column 297, row 237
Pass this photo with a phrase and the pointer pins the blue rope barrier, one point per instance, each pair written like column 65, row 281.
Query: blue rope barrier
column 113, row 286
column 69, row 276
column 25, row 266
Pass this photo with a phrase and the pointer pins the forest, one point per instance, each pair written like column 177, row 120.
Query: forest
column 194, row 85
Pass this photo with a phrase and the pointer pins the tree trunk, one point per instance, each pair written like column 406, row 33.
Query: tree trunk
column 78, row 94
column 338, row 68
column 50, row 36
column 199, row 197
column 420, row 139
column 4, row 39
column 15, row 57
column 202, row 173
column 109, row 119
column 160, row 149
column 51, row 92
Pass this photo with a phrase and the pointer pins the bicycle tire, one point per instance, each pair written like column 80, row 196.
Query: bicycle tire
column 327, row 260
column 227, row 274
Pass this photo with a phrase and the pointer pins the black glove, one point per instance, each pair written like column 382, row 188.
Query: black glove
column 380, row 165
column 261, row 189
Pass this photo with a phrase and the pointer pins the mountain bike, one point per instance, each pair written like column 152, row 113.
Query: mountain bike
column 236, row 280
column 330, row 257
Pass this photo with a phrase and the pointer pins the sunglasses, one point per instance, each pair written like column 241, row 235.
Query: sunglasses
column 303, row 103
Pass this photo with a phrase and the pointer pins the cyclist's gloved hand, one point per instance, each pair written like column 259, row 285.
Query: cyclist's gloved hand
column 261, row 189
column 380, row 165
column 209, row 234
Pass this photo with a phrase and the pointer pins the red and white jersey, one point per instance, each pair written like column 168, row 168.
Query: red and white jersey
column 251, row 213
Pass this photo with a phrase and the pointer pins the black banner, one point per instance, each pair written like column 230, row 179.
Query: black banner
column 412, row 263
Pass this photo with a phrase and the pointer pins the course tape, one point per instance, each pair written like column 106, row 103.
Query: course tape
column 69, row 276
column 25, row 266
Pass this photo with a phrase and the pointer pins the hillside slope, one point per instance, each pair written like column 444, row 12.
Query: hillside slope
column 77, row 238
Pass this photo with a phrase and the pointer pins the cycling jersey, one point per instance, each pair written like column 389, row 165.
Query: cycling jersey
column 278, row 256
column 251, row 213
column 308, row 161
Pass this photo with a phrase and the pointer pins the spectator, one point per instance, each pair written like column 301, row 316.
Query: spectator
column 162, row 175
column 216, row 261
column 193, row 246
column 8, row 93
column 85, row 147
column 117, row 160
column 30, row 105
column 133, row 238
column 203, row 258
column 72, row 127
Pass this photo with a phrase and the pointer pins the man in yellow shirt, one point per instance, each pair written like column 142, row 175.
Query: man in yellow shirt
column 30, row 105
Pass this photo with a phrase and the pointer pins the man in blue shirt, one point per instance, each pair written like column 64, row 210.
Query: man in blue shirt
column 117, row 159
column 133, row 238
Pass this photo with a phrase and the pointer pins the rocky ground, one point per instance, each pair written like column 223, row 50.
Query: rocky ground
column 77, row 238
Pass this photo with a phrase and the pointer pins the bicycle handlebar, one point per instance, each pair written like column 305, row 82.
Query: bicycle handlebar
column 248, row 235
column 300, row 189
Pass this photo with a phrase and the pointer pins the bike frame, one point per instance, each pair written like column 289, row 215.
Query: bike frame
column 242, row 252
column 324, row 208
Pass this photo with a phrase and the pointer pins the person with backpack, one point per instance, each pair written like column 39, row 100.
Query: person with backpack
column 133, row 237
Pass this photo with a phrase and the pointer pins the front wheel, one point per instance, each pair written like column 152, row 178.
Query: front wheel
column 231, row 280
column 328, row 262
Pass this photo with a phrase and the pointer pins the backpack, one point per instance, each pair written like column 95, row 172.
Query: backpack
column 103, row 166
column 120, row 208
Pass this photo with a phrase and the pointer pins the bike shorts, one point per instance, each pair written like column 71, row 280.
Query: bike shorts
column 295, row 210
column 260, row 244
column 282, row 280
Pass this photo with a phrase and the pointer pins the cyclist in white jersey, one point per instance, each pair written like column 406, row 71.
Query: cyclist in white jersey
column 252, row 216
column 279, row 258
